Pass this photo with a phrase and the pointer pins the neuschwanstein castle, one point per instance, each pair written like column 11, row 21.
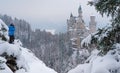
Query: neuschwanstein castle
column 77, row 30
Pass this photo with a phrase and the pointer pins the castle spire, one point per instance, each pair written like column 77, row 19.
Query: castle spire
column 80, row 11
column 71, row 15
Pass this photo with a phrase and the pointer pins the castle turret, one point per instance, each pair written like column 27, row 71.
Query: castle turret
column 80, row 11
column 92, row 24
column 71, row 15
column 72, row 20
column 70, row 25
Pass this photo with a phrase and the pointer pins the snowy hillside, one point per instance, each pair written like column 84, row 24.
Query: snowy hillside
column 110, row 63
column 16, row 59
column 35, row 65
column 26, row 59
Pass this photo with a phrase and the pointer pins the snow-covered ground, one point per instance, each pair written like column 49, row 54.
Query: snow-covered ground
column 35, row 65
column 110, row 63
column 26, row 61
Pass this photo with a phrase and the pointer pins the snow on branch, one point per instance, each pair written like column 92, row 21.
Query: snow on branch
column 86, row 41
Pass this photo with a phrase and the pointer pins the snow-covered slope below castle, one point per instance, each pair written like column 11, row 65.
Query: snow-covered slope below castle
column 25, row 59
column 35, row 65
column 109, row 63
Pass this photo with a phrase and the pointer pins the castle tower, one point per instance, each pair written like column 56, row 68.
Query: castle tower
column 70, row 21
column 80, row 11
column 77, row 29
column 92, row 24
column 70, row 25
column 80, row 22
column 80, row 26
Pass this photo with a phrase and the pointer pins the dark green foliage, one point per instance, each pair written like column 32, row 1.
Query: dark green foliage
column 104, row 43
column 109, row 8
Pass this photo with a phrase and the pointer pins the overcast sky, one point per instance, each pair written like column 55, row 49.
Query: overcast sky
column 48, row 14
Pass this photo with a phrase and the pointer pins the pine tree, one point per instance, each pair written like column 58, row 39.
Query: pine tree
column 106, row 37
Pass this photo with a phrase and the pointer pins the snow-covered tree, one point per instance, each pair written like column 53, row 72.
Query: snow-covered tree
column 3, row 31
column 106, row 37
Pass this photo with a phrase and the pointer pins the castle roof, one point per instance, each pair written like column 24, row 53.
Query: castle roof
column 80, row 9
column 71, row 15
